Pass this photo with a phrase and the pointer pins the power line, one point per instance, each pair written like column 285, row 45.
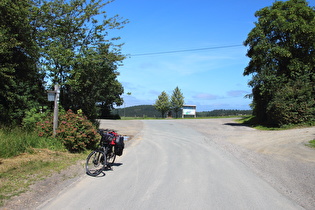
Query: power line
column 187, row 50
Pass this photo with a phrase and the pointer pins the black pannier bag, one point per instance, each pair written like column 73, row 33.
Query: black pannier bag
column 119, row 146
column 106, row 138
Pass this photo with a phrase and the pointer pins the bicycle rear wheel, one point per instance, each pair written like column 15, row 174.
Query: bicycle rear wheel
column 111, row 156
column 95, row 163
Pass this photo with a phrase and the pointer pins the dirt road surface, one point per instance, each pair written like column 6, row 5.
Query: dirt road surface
column 279, row 158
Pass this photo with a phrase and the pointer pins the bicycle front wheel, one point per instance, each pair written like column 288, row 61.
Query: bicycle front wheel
column 95, row 163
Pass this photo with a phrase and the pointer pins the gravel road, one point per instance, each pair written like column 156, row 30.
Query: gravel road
column 280, row 160
column 279, row 157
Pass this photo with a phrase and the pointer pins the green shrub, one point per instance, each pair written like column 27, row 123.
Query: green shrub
column 292, row 104
column 32, row 117
column 76, row 132
column 44, row 128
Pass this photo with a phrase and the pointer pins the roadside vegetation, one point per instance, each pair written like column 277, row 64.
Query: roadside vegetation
column 19, row 172
column 29, row 153
column 17, row 141
column 282, row 65
column 26, row 158
column 312, row 143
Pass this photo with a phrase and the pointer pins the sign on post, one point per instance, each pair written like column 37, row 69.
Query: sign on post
column 51, row 95
column 189, row 110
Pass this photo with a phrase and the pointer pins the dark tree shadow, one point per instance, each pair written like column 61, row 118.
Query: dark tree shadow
column 237, row 124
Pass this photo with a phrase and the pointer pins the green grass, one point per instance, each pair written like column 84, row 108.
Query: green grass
column 16, row 141
column 311, row 143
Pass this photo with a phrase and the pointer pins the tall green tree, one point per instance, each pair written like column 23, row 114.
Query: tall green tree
column 282, row 63
column 177, row 100
column 99, row 84
column 21, row 84
column 162, row 104
column 78, row 53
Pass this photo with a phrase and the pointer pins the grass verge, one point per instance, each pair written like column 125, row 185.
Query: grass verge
column 26, row 158
column 18, row 173
column 14, row 141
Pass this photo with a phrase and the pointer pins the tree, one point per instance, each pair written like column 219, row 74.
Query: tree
column 162, row 104
column 78, row 54
column 21, row 84
column 282, row 63
column 177, row 101
column 94, row 82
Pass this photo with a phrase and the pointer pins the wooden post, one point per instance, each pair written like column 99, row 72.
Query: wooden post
column 56, row 102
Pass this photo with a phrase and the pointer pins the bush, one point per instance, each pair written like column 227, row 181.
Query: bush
column 75, row 131
column 44, row 127
column 292, row 104
column 31, row 118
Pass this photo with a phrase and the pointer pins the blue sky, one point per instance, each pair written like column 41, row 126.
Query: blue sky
column 211, row 78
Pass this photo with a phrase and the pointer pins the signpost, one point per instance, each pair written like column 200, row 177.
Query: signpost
column 54, row 96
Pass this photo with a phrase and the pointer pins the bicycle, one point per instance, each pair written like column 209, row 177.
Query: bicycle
column 104, row 156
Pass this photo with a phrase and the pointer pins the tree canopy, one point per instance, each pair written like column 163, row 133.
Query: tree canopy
column 78, row 53
column 177, row 100
column 21, row 84
column 65, row 42
column 163, row 104
column 282, row 63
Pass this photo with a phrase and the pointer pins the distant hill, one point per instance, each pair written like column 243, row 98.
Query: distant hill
column 137, row 111
column 224, row 112
column 150, row 111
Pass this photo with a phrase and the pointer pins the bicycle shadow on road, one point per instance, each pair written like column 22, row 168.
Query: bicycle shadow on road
column 112, row 165
column 117, row 164
column 102, row 174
